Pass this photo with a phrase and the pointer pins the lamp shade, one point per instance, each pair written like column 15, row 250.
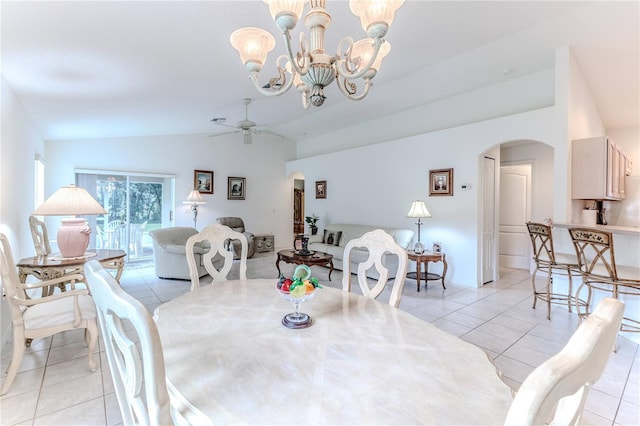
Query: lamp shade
column 194, row 198
column 375, row 11
column 363, row 49
column 418, row 209
column 73, row 235
column 253, row 45
column 69, row 201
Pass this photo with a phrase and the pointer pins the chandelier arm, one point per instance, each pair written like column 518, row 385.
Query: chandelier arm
column 305, row 100
column 274, row 92
column 352, row 95
column 343, row 70
column 301, row 61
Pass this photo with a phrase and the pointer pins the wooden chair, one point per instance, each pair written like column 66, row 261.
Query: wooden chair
column 43, row 317
column 597, row 261
column 377, row 242
column 547, row 260
column 40, row 236
column 555, row 392
column 216, row 238
column 137, row 368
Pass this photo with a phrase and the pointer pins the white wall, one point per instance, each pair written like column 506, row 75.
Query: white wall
column 534, row 91
column 376, row 184
column 268, row 204
column 19, row 145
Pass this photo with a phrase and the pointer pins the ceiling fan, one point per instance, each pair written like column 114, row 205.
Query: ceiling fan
column 246, row 126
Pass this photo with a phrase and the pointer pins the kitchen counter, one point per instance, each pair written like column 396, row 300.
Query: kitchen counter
column 610, row 228
column 626, row 241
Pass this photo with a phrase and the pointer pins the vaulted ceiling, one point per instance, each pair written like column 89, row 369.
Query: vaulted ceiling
column 96, row 69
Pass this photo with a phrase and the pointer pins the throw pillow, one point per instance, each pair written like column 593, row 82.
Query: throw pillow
column 331, row 237
column 336, row 240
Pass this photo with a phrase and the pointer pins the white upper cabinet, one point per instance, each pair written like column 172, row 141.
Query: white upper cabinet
column 598, row 169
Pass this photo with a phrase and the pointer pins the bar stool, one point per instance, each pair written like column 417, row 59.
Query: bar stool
column 597, row 261
column 547, row 260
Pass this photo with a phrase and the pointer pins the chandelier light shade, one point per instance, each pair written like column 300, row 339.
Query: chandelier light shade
column 311, row 69
column 418, row 210
column 195, row 199
column 74, row 233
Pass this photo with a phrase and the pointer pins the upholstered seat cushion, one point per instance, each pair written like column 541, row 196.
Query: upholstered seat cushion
column 57, row 312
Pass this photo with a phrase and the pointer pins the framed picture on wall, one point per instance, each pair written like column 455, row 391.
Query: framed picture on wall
column 236, row 187
column 441, row 182
column 321, row 189
column 203, row 181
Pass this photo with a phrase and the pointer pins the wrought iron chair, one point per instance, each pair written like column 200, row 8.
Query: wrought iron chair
column 215, row 238
column 547, row 260
column 377, row 242
column 597, row 260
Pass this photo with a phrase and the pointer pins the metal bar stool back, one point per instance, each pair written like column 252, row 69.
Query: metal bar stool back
column 547, row 260
column 597, row 261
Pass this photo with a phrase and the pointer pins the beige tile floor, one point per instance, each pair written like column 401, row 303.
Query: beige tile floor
column 55, row 387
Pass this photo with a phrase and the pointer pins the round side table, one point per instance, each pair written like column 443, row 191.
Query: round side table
column 426, row 257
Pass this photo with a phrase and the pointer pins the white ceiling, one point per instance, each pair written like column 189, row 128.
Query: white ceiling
column 135, row 68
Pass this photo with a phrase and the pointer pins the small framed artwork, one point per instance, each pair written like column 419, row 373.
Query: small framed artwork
column 236, row 188
column 441, row 182
column 321, row 189
column 203, row 181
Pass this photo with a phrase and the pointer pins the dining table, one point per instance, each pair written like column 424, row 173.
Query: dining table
column 229, row 360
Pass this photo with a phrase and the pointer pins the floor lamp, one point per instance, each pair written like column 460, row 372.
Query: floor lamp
column 418, row 210
column 195, row 199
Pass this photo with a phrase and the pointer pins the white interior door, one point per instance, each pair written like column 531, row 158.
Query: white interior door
column 488, row 220
column 515, row 211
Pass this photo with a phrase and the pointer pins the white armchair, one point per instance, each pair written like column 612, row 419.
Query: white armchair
column 170, row 256
column 43, row 317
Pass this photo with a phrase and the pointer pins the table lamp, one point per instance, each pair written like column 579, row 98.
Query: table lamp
column 418, row 210
column 195, row 199
column 74, row 233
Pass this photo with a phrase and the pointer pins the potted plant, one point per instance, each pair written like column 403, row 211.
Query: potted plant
column 312, row 220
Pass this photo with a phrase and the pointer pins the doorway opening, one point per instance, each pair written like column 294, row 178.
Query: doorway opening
column 298, row 206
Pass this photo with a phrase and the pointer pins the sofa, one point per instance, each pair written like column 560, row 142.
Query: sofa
column 169, row 253
column 237, row 224
column 334, row 238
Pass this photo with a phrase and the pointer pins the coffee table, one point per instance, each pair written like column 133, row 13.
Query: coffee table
column 315, row 258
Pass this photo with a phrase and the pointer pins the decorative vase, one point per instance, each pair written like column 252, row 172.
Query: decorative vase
column 314, row 230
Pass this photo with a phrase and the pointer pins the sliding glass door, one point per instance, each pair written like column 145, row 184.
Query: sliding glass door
column 136, row 203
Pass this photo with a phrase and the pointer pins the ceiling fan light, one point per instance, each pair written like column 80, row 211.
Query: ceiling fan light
column 375, row 16
column 253, row 44
column 246, row 136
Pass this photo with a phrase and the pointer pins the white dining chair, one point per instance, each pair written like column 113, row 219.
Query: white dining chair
column 377, row 243
column 136, row 364
column 40, row 236
column 45, row 316
column 555, row 392
column 216, row 239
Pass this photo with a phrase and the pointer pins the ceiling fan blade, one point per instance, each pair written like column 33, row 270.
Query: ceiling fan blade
column 218, row 123
column 224, row 133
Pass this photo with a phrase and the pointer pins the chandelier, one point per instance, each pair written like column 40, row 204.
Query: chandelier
column 311, row 69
